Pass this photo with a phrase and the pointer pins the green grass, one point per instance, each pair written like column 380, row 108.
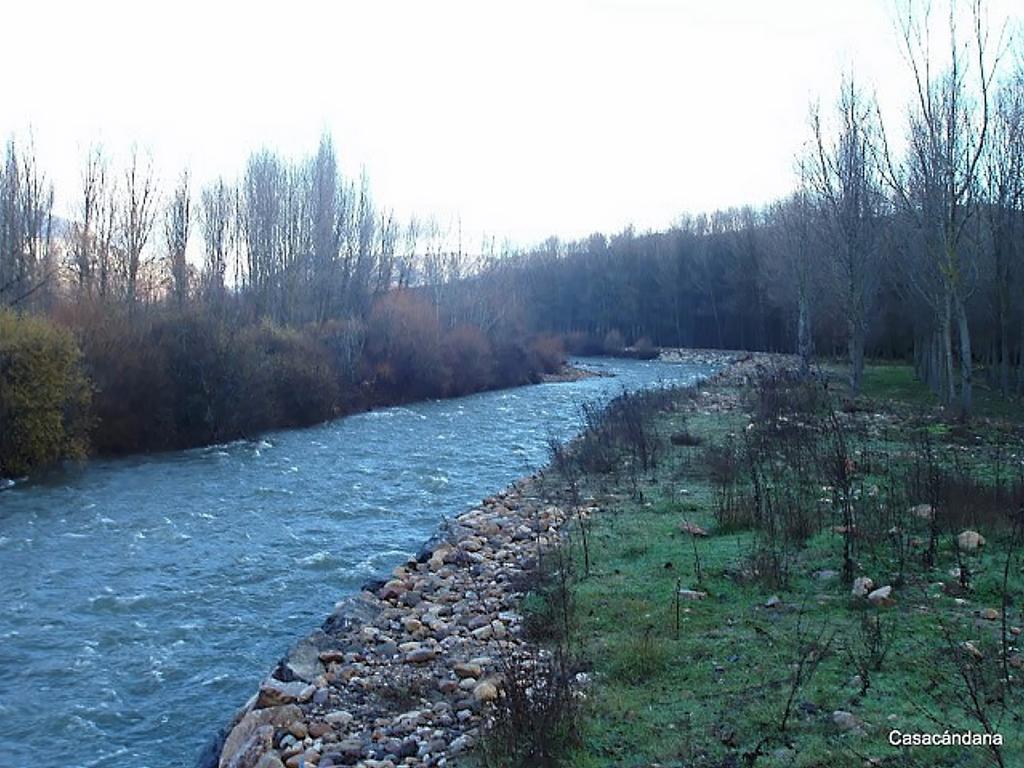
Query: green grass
column 713, row 692
column 895, row 383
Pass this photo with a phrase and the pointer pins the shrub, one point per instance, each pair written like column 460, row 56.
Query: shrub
column 536, row 720
column 548, row 352
column 644, row 349
column 342, row 341
column 402, row 357
column 292, row 373
column 132, row 407
column 468, row 358
column 44, row 395
column 614, row 343
column 685, row 438
column 512, row 366
column 582, row 344
column 641, row 659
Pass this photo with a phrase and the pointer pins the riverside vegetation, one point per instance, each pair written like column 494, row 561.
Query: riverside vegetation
column 901, row 239
column 759, row 571
column 766, row 571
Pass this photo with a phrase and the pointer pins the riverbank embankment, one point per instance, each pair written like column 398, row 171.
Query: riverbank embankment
column 403, row 672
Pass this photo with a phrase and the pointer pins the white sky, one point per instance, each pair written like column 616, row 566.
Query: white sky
column 525, row 118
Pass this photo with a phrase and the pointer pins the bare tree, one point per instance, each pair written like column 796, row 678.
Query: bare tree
column 936, row 185
column 137, row 218
column 177, row 228
column 847, row 185
column 795, row 264
column 216, row 220
column 1003, row 177
column 327, row 212
column 85, row 232
column 26, row 227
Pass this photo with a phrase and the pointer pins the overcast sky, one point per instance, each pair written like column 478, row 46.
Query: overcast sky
column 524, row 118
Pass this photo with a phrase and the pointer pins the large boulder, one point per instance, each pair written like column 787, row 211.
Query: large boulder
column 274, row 693
column 881, row 596
column 252, row 736
column 303, row 661
column 970, row 541
column 862, row 585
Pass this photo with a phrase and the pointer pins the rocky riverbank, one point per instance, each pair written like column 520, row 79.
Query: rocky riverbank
column 402, row 673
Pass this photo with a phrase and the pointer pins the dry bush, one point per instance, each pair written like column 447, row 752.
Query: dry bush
column 548, row 351
column 470, row 362
column 402, row 357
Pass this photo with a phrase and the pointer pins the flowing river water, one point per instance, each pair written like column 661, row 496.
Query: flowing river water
column 143, row 599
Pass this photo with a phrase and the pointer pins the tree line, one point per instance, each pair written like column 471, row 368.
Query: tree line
column 288, row 294
column 903, row 237
column 161, row 318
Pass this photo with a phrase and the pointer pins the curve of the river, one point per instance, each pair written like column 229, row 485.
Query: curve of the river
column 143, row 599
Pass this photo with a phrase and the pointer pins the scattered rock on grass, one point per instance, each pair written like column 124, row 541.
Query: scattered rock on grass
column 692, row 594
column 881, row 596
column 970, row 541
column 861, row 586
column 692, row 528
column 846, row 721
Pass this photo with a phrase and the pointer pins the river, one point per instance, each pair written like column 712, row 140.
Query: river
column 145, row 598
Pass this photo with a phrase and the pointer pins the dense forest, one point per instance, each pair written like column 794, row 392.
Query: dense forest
column 154, row 318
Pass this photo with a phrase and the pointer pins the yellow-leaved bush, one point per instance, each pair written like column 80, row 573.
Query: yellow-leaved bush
column 44, row 395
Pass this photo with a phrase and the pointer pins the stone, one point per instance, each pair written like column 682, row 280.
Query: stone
column 692, row 528
column 845, row 721
column 274, row 693
column 923, row 511
column 483, row 633
column 881, row 596
column 989, row 614
column 351, row 748
column 972, row 649
column 319, row 730
column 420, row 655
column 303, row 662
column 861, row 586
column 240, row 735
column 773, row 602
column 463, row 670
column 970, row 541
column 298, row 729
column 308, row 758
column 485, row 691
column 269, row 760
column 245, row 752
column 692, row 594
column 392, row 590
column 339, row 717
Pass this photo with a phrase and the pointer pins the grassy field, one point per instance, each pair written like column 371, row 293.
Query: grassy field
column 773, row 662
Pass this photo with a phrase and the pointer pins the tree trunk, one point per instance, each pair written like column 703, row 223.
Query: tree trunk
column 966, row 360
column 803, row 335
column 856, row 350
column 1004, row 344
column 948, row 391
